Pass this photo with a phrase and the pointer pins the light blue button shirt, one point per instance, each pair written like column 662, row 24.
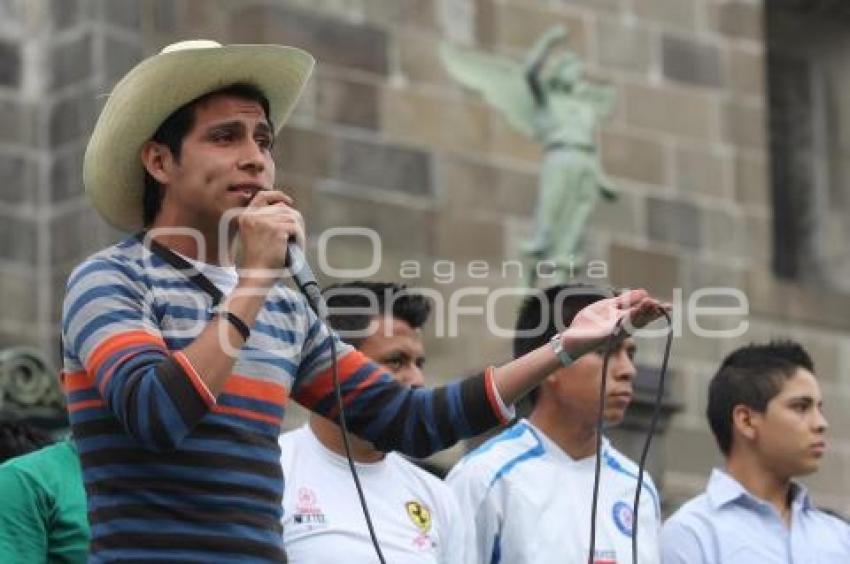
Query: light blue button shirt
column 728, row 525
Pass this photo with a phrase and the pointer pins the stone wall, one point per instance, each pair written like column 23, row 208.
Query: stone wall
column 383, row 138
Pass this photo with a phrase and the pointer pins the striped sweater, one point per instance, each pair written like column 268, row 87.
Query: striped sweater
column 173, row 473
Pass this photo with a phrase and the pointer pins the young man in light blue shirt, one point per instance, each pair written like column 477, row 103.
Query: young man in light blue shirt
column 764, row 407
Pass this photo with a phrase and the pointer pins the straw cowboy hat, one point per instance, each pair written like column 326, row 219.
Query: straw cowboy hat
column 159, row 85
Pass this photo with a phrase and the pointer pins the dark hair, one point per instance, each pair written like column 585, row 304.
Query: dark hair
column 372, row 299
column 537, row 321
column 173, row 130
column 17, row 438
column 752, row 376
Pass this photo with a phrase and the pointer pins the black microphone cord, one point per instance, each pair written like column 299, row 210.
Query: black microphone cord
column 344, row 431
column 600, row 420
column 306, row 282
column 656, row 414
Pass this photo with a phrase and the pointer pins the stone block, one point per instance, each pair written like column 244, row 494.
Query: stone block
column 485, row 23
column 12, row 17
column 419, row 59
column 466, row 239
column 303, row 152
column 506, row 141
column 467, row 184
column 164, row 15
column 332, row 41
column 627, row 154
column 66, row 120
column 723, row 232
column 400, row 228
column 123, row 13
column 747, row 72
column 674, row 222
column 66, row 173
column 790, row 302
column 739, row 19
column 690, row 451
column 745, row 125
column 19, row 295
column 701, row 272
column 64, row 13
column 671, row 110
column 681, row 14
column 15, row 126
column 10, row 65
column 701, row 170
column 691, row 62
column 71, row 61
column 74, row 234
column 18, row 180
column 624, row 46
column 449, row 124
column 119, row 57
column 388, row 167
column 752, row 185
column 518, row 24
column 631, row 267
column 347, row 102
column 601, row 6
column 18, row 239
column 623, row 216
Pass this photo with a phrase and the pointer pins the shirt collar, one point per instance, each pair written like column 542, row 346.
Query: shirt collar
column 723, row 488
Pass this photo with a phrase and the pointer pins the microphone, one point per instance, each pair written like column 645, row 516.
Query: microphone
column 305, row 279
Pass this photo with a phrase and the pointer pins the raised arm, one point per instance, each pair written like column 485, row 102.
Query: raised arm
column 420, row 421
column 537, row 57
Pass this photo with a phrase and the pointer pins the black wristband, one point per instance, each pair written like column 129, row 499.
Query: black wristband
column 237, row 323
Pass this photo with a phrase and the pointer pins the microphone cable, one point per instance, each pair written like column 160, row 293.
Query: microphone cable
column 306, row 282
column 343, row 426
column 600, row 420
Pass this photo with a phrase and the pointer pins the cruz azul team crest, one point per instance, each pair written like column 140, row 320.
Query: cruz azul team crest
column 624, row 518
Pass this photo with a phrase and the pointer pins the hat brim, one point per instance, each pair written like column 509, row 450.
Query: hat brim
column 112, row 169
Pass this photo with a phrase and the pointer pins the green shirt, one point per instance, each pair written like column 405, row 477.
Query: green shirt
column 43, row 507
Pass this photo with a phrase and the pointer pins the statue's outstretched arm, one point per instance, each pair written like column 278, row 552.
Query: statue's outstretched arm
column 537, row 57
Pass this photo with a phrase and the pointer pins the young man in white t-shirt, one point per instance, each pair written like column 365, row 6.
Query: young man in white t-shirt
column 415, row 515
column 529, row 489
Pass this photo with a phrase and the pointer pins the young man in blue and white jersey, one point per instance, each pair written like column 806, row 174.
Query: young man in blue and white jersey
column 529, row 489
column 764, row 408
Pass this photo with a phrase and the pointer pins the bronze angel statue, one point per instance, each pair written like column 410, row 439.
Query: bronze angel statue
column 547, row 100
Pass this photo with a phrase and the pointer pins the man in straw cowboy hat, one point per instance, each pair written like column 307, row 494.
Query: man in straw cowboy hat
column 177, row 364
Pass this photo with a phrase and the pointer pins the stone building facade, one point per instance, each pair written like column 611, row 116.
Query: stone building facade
column 383, row 138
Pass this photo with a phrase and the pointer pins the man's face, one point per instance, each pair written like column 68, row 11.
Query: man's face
column 577, row 386
column 789, row 436
column 397, row 347
column 224, row 161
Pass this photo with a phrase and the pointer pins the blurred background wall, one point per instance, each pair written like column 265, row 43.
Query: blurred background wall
column 729, row 144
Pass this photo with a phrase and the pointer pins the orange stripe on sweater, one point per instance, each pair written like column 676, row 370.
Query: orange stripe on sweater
column 251, row 388
column 490, row 386
column 111, row 345
column 246, row 414
column 85, row 404
column 322, row 385
column 76, row 381
column 195, row 378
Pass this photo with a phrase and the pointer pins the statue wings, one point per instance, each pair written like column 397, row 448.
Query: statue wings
column 500, row 80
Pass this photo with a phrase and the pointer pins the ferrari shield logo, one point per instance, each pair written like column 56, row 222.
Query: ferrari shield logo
column 420, row 515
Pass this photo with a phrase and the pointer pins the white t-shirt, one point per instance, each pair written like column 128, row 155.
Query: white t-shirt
column 531, row 503
column 415, row 515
